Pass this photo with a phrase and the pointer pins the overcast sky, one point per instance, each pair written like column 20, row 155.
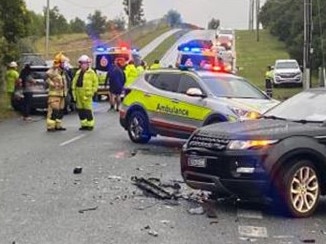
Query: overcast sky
column 232, row 13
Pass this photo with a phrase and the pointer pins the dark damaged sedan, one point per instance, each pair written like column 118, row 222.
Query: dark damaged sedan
column 281, row 155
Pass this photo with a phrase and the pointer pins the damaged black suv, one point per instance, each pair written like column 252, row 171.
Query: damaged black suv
column 280, row 155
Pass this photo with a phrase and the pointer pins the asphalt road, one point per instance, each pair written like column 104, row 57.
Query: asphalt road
column 42, row 201
column 171, row 55
column 156, row 42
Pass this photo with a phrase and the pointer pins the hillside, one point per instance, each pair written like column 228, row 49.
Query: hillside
column 253, row 58
column 73, row 45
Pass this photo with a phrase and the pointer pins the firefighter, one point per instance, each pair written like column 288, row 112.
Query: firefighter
column 84, row 86
column 57, row 81
column 131, row 73
column 11, row 77
column 155, row 65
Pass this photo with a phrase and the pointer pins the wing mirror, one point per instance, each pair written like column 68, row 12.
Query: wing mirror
column 195, row 92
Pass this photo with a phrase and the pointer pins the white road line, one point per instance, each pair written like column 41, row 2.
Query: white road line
column 72, row 140
column 249, row 214
column 252, row 231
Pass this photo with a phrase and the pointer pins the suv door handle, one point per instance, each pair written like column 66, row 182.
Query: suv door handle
column 147, row 95
column 174, row 100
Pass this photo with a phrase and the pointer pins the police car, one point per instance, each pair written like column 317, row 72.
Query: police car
column 105, row 56
column 174, row 102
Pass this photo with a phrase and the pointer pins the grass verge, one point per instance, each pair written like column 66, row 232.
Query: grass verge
column 253, row 58
column 5, row 112
column 159, row 52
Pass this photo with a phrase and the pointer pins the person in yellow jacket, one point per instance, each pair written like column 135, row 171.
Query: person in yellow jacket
column 142, row 67
column 131, row 73
column 84, row 86
column 155, row 65
column 56, row 79
column 11, row 77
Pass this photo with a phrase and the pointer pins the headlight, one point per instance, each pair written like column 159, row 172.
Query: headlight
column 245, row 114
column 249, row 144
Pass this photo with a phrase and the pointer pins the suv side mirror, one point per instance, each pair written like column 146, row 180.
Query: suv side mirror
column 195, row 92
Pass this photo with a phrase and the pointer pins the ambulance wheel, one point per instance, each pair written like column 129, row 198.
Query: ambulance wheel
column 138, row 127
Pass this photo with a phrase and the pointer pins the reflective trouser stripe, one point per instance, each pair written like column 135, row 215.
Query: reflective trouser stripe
column 55, row 112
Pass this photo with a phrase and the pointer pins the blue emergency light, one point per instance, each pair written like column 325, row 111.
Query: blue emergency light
column 101, row 49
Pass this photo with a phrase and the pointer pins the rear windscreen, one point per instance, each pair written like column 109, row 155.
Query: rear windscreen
column 103, row 61
column 197, row 60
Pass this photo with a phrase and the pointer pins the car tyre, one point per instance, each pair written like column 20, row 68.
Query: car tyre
column 138, row 127
column 299, row 189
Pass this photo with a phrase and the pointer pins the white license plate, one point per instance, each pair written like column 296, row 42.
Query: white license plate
column 197, row 162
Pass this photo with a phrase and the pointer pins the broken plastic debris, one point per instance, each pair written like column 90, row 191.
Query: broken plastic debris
column 148, row 186
column 308, row 241
column 153, row 233
column 199, row 210
column 87, row 209
column 114, row 177
column 78, row 170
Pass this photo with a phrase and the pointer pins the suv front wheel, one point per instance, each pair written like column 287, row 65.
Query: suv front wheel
column 300, row 189
column 138, row 127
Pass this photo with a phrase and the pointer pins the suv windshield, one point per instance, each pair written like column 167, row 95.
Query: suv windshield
column 232, row 87
column 286, row 65
column 314, row 108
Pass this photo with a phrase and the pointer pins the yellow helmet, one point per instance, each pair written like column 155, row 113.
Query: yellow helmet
column 59, row 58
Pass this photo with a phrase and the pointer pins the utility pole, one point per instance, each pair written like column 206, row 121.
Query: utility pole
column 307, row 49
column 129, row 14
column 257, row 19
column 251, row 14
column 47, row 29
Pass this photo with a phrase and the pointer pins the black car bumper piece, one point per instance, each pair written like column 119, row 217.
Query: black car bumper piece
column 239, row 187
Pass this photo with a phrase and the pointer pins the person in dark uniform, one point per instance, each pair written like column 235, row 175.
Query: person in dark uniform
column 26, row 81
column 117, row 79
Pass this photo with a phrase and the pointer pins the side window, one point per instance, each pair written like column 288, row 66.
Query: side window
column 164, row 81
column 187, row 82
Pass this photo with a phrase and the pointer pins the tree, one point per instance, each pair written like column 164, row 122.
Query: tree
column 77, row 25
column 97, row 24
column 58, row 23
column 118, row 23
column 37, row 24
column 14, row 26
column 213, row 24
column 136, row 15
column 173, row 18
column 289, row 26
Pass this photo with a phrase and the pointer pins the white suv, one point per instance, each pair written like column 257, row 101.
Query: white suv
column 287, row 71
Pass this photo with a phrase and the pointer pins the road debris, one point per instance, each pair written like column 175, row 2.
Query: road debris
column 248, row 239
column 196, row 211
column 87, row 209
column 78, row 170
column 114, row 177
column 152, row 188
column 213, row 222
column 308, row 241
column 210, row 209
column 153, row 233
